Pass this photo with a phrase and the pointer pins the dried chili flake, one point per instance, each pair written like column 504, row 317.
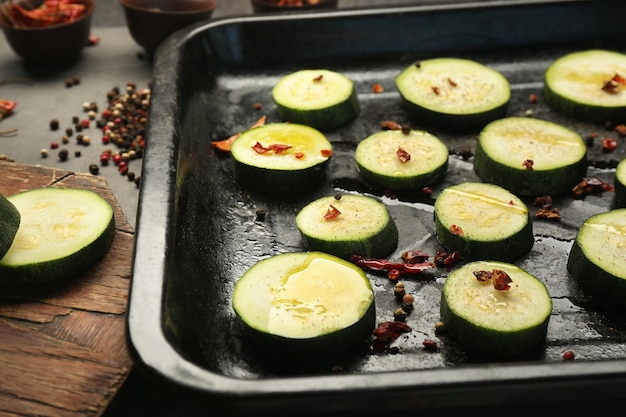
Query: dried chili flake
column 435, row 89
column 456, row 230
column 544, row 201
column 377, row 88
column 501, row 280
column 299, row 155
column 390, row 125
column 403, row 155
column 591, row 185
column 427, row 190
column 452, row 82
column 224, row 145
column 482, row 275
column 549, row 214
column 528, row 164
column 612, row 85
column 374, row 264
column 332, row 213
column 318, row 78
column 275, row 147
column 388, row 331
column 327, row 153
column 6, row 108
column 533, row 98
column 608, row 145
column 415, row 256
column 443, row 258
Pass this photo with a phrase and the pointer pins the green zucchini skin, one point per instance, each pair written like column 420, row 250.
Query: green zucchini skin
column 364, row 228
column 343, row 290
column 68, row 264
column 319, row 98
column 474, row 243
column 378, row 162
column 620, row 185
column 453, row 93
column 524, row 137
column 573, row 86
column 515, row 328
column 281, row 175
column 589, row 265
column 10, row 222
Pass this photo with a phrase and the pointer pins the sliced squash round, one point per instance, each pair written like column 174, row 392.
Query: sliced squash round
column 596, row 259
column 63, row 232
column 320, row 98
column 281, row 159
column 620, row 184
column 530, row 157
column 309, row 305
column 495, row 308
column 346, row 225
column 483, row 222
column 9, row 223
column 402, row 160
column 588, row 85
column 454, row 93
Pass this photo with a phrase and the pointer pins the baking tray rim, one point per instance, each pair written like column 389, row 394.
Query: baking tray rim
column 157, row 356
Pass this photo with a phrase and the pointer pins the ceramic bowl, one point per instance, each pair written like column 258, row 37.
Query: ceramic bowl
column 270, row 6
column 150, row 22
column 55, row 43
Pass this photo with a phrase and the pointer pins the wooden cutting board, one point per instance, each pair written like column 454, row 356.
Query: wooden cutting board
column 63, row 350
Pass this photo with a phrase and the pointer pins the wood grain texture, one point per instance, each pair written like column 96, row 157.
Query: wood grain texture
column 63, row 348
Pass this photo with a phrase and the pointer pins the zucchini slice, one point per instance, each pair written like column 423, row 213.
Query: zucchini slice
column 499, row 322
column 620, row 184
column 596, row 260
column 588, row 85
column 320, row 98
column 530, row 157
column 62, row 233
column 308, row 305
column 401, row 160
column 348, row 225
column 454, row 93
column 281, row 159
column 483, row 222
column 9, row 223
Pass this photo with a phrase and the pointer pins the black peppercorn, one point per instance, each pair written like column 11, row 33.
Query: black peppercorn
column 94, row 169
column 63, row 153
column 54, row 124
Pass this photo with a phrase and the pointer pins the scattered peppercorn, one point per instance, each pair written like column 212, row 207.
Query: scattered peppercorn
column 399, row 291
column 54, row 124
column 399, row 314
column 54, row 145
column 94, row 169
column 77, row 154
column 63, row 154
column 69, row 131
column 44, row 153
column 568, row 355
column 430, row 345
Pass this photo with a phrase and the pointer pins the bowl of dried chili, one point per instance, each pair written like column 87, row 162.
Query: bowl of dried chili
column 150, row 22
column 47, row 31
column 270, row 6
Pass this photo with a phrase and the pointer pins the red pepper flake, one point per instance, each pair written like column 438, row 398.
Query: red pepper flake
column 390, row 125
column 327, row 153
column 415, row 256
column 388, row 331
column 403, row 155
column 318, row 78
column 452, row 82
column 443, row 258
column 528, row 164
column 93, row 40
column 299, row 155
column 257, row 106
column 435, row 89
column 377, row 88
column 591, row 185
column 612, row 85
column 549, row 214
column 456, row 230
column 275, row 147
column 331, row 213
column 427, row 190
column 533, row 98
column 6, row 108
column 608, row 145
column 545, row 202
column 224, row 145
column 374, row 264
column 501, row 280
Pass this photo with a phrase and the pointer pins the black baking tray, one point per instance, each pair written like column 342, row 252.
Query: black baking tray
column 197, row 229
